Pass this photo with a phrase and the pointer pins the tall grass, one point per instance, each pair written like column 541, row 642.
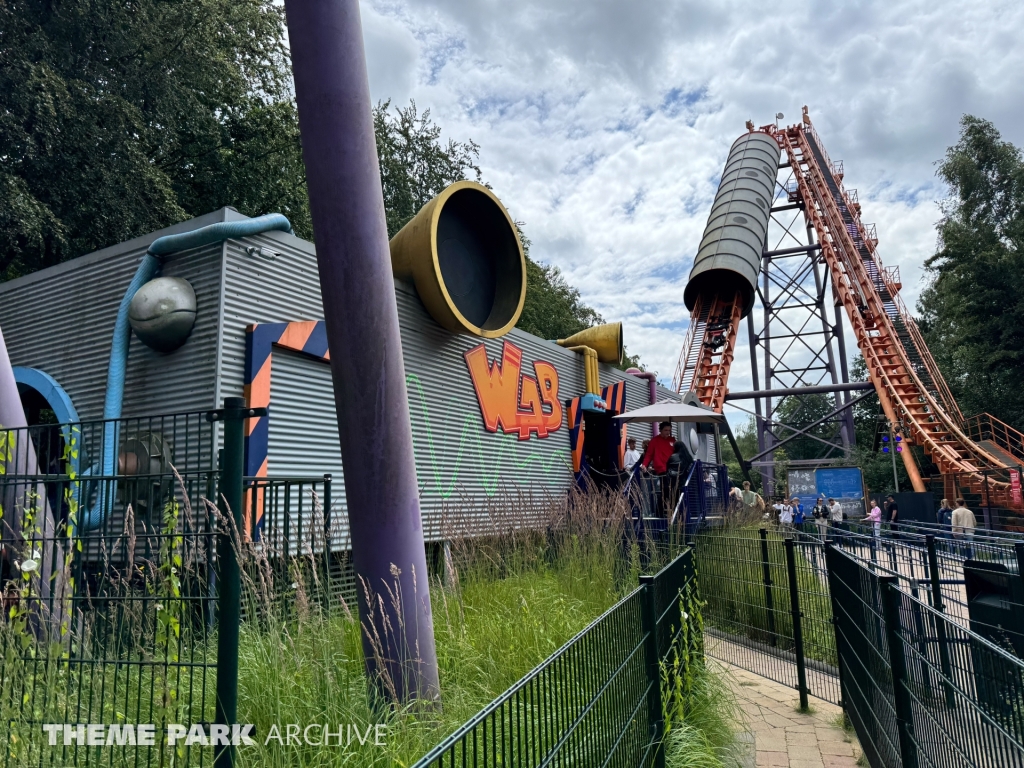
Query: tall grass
column 705, row 735
column 700, row 709
column 509, row 591
column 515, row 583
column 488, row 636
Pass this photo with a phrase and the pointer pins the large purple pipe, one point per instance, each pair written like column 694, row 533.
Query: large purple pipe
column 18, row 461
column 347, row 206
column 19, row 541
column 652, row 383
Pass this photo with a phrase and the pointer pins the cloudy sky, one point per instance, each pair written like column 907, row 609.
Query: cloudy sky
column 604, row 124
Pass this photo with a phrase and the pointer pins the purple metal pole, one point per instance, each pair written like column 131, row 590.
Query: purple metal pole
column 361, row 313
column 652, row 383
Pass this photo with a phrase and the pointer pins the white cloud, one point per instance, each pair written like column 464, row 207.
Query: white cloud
column 392, row 56
column 604, row 124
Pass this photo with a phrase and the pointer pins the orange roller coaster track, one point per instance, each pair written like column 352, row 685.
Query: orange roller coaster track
column 709, row 349
column 910, row 386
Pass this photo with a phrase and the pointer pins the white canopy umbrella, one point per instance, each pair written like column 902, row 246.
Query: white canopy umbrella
column 672, row 412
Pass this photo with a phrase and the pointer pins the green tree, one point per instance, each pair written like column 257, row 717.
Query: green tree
column 414, row 165
column 799, row 413
column 973, row 310
column 554, row 309
column 120, row 118
column 869, row 424
column 876, row 466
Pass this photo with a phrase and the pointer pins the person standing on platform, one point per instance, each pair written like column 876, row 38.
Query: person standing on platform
column 944, row 517
column 892, row 512
column 676, row 471
column 752, row 503
column 656, row 459
column 659, row 449
column 821, row 513
column 735, row 498
column 798, row 513
column 632, row 455
column 835, row 517
column 835, row 513
column 875, row 518
column 963, row 524
column 785, row 515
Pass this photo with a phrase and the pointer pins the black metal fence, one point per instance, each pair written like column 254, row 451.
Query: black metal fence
column 679, row 502
column 118, row 594
column 113, row 564
column 107, row 577
column 295, row 545
column 115, row 577
column 920, row 688
column 887, row 626
column 937, row 568
column 767, row 607
column 599, row 699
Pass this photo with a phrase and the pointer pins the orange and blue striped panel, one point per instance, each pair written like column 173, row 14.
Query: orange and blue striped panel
column 306, row 336
column 575, row 417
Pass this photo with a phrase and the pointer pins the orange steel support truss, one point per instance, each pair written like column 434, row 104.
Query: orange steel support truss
column 911, row 388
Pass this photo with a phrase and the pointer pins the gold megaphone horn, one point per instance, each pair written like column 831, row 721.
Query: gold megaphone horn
column 605, row 339
column 601, row 343
column 462, row 252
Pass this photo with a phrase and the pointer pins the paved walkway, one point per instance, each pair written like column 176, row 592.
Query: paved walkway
column 784, row 736
column 822, row 682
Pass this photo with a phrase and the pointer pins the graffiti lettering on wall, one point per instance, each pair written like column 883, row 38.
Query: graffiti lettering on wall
column 475, row 458
column 509, row 398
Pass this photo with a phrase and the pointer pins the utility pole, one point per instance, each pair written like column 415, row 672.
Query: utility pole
column 892, row 444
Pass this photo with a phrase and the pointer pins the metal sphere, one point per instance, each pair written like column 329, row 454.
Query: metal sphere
column 162, row 313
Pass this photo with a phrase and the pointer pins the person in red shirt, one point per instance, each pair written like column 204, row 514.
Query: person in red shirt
column 659, row 449
column 656, row 459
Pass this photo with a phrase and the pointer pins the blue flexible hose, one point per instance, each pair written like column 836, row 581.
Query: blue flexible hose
column 93, row 515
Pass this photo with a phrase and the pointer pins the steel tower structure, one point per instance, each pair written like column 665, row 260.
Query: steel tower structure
column 817, row 263
column 798, row 351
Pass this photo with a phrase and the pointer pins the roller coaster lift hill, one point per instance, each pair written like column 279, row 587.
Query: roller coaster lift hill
column 954, row 456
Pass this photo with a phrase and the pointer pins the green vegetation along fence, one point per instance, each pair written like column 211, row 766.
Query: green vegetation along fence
column 599, row 700
column 120, row 576
column 107, row 585
column 297, row 542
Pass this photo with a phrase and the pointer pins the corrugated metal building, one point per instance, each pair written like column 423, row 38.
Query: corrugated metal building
column 60, row 320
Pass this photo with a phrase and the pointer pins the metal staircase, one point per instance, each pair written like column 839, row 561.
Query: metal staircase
column 686, row 368
column 708, row 349
column 864, row 242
